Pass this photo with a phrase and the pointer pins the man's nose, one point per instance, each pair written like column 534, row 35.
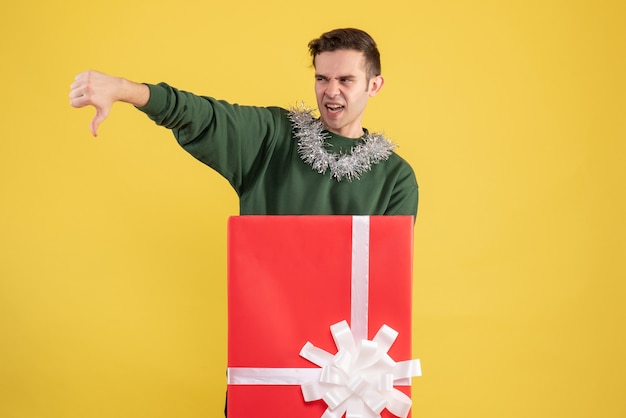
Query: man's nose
column 332, row 89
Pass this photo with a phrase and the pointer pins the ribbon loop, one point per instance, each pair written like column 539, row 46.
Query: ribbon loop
column 342, row 335
column 399, row 403
column 408, row 368
column 385, row 337
column 315, row 355
column 337, row 396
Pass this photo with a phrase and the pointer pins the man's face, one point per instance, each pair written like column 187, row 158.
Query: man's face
column 342, row 90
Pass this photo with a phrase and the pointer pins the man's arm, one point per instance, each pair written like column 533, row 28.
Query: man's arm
column 405, row 194
column 92, row 88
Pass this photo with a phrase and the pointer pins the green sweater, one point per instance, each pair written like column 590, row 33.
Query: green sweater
column 253, row 148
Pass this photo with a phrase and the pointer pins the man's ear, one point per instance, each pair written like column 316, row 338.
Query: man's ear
column 376, row 83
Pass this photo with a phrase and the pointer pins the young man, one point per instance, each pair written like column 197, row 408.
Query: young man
column 283, row 162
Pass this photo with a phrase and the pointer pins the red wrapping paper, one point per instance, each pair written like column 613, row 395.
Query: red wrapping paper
column 289, row 280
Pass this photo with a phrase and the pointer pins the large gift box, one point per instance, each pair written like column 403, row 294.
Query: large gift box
column 319, row 316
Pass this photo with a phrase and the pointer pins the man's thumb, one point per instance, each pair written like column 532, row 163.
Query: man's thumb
column 97, row 120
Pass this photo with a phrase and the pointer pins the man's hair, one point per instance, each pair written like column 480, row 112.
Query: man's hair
column 349, row 38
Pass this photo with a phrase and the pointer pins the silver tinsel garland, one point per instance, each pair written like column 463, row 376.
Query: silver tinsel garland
column 311, row 147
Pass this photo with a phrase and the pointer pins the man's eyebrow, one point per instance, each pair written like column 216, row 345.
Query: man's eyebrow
column 341, row 77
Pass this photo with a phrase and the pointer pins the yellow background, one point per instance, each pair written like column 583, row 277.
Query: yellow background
column 112, row 250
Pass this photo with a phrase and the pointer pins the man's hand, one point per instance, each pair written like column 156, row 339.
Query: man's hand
column 92, row 88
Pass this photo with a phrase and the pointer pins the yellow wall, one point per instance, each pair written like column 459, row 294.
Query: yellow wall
column 112, row 250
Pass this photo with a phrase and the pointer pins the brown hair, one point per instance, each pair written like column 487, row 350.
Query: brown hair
column 349, row 38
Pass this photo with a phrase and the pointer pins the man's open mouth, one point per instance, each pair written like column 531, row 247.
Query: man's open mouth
column 334, row 108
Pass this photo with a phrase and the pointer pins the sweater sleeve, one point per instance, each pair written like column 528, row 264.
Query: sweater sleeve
column 229, row 138
column 405, row 194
